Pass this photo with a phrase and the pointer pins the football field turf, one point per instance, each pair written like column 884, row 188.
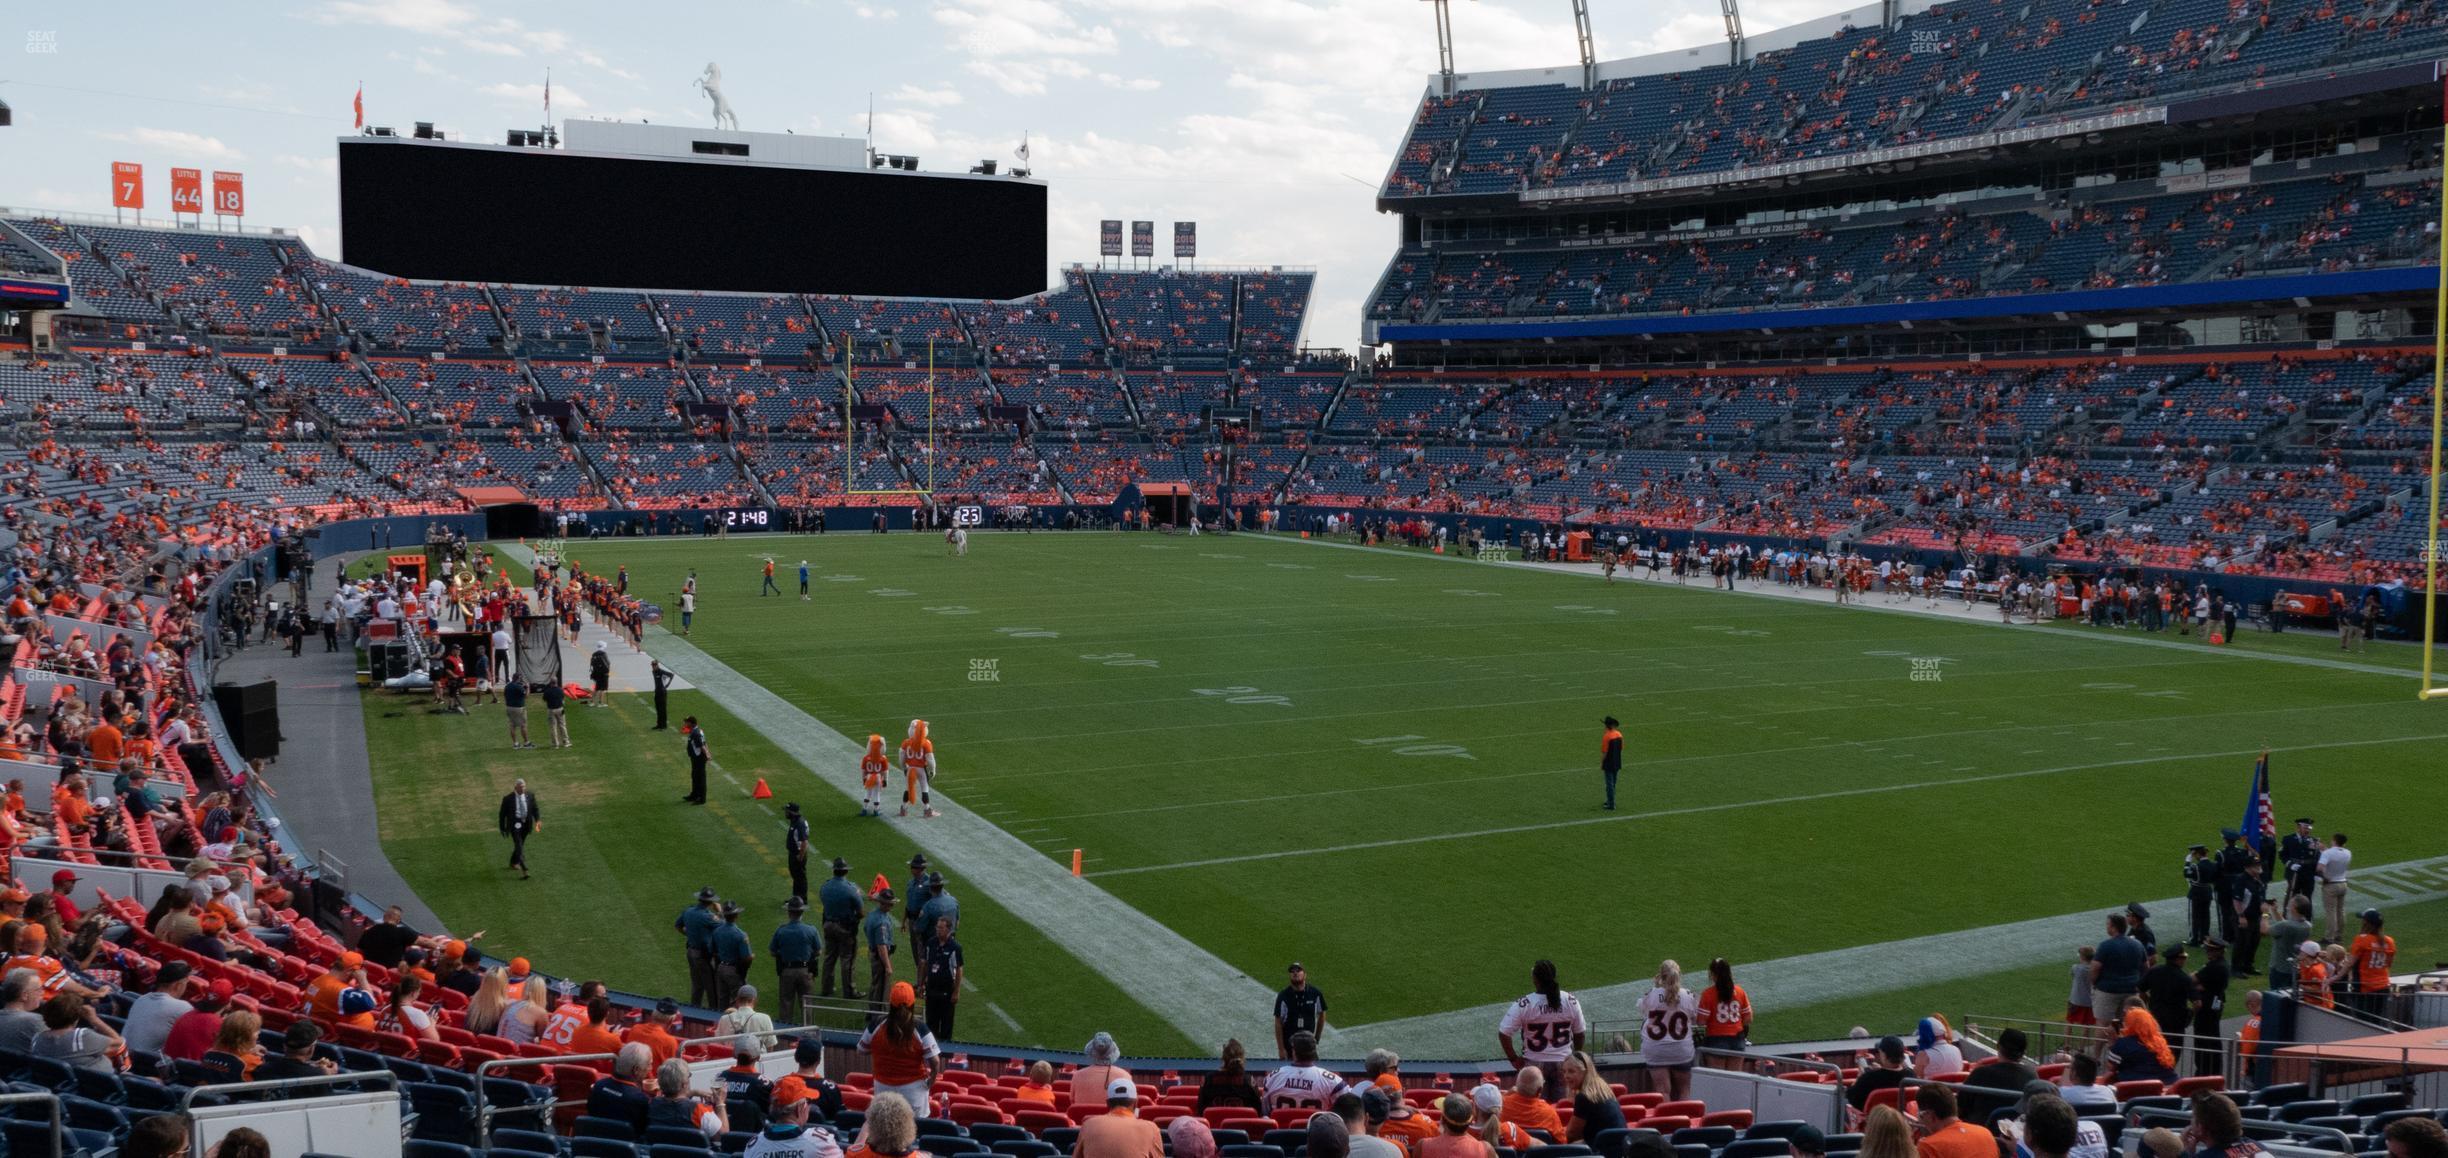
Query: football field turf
column 1383, row 764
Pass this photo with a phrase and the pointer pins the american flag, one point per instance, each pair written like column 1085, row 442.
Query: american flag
column 2260, row 827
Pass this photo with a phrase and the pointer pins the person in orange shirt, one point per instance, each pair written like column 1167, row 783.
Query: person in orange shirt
column 2312, row 976
column 518, row 973
column 654, row 1033
column 561, row 1028
column 1946, row 1136
column 1525, row 1107
column 323, row 993
column 1725, row 1010
column 1040, row 1085
column 69, row 804
column 596, row 1036
column 104, row 743
column 1403, row 1126
column 2248, row 1035
column 1119, row 1132
column 2373, row 952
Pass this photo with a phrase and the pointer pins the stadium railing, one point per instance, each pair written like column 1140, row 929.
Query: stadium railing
column 363, row 1121
column 51, row 1101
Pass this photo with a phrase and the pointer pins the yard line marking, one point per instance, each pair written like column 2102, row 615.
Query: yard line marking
column 997, row 1010
column 1730, row 806
column 1197, row 992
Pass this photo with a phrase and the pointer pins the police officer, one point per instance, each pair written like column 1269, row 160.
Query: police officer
column 941, row 906
column 795, row 843
column 2251, row 898
column 2201, row 887
column 841, row 910
column 732, row 955
column 698, row 754
column 793, row 946
column 2231, row 858
column 697, row 924
column 915, row 900
column 944, row 965
column 879, row 951
column 2209, row 1006
column 662, row 686
column 2299, row 853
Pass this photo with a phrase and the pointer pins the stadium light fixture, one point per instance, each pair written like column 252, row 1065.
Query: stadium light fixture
column 4, row 115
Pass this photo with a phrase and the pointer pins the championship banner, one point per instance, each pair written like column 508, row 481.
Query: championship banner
column 1143, row 239
column 229, row 194
column 1185, row 239
column 1109, row 238
column 127, row 185
column 187, row 191
column 536, row 648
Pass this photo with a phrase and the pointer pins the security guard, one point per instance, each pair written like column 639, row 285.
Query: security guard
column 2231, row 859
column 795, row 843
column 841, row 911
column 2201, row 876
column 793, row 946
column 944, row 965
column 941, row 906
column 879, row 951
column 2250, row 898
column 697, row 924
column 917, row 899
column 732, row 956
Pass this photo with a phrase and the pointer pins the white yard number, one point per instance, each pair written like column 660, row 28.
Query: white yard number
column 1028, row 633
column 1240, row 695
column 1410, row 747
column 1118, row 659
column 949, row 609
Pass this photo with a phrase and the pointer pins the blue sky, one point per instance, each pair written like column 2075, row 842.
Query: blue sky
column 1269, row 122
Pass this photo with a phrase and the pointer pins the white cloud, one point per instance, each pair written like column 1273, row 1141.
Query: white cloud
column 865, row 12
column 430, row 17
column 934, row 98
column 1133, row 83
column 179, row 144
column 327, row 166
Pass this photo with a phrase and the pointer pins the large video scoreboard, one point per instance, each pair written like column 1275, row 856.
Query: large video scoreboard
column 456, row 211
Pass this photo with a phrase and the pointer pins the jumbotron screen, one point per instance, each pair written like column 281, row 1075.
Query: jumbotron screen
column 452, row 212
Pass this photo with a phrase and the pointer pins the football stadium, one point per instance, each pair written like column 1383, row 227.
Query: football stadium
column 1860, row 588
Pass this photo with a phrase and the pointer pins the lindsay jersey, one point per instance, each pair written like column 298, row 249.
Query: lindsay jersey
column 1547, row 1034
column 1666, row 1029
column 1300, row 1088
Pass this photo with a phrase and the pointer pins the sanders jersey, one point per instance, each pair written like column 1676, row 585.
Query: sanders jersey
column 1666, row 1027
column 1547, row 1034
column 1300, row 1088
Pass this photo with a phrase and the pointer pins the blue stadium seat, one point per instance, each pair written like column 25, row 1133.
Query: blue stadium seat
column 993, row 1132
column 1064, row 1137
column 2297, row 1111
column 2281, row 1094
column 428, row 1148
column 99, row 1086
column 1757, row 1148
column 498, row 1152
column 1024, row 1148
column 591, row 1126
column 1288, row 1140
column 938, row 1128
column 944, row 1144
column 666, row 1150
column 583, row 1147
column 674, row 1136
column 50, row 1074
column 87, row 1114
column 1709, row 1136
column 520, row 1139
column 444, row 1114
column 1778, row 1129
column 1616, row 1142
column 1249, row 1150
column 2370, row 1105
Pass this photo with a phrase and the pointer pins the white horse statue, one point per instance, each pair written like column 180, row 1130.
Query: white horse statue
column 711, row 85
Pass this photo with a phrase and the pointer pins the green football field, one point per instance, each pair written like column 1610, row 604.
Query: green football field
column 1383, row 763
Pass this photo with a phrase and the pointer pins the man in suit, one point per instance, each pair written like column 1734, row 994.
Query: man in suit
column 520, row 816
column 2299, row 852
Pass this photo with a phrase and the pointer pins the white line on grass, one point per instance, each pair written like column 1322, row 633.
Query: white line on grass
column 1805, row 798
column 1202, row 996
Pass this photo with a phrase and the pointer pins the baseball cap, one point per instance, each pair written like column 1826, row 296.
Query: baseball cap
column 808, row 1052
column 519, row 967
column 1296, row 967
column 301, row 1034
column 1486, row 1098
column 2308, row 949
column 16, row 894
column 455, row 948
column 2368, row 915
column 902, row 994
column 1377, row 1103
column 222, row 990
column 1891, row 1047
column 791, row 1091
column 351, row 959
column 1121, row 1089
column 667, row 1007
column 171, row 974
column 1807, row 1140
column 63, row 877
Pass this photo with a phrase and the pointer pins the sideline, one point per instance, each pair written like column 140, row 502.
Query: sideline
column 1864, row 970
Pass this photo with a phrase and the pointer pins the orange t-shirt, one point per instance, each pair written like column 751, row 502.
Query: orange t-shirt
column 2312, row 981
column 104, row 743
column 562, row 1025
column 1532, row 1114
column 323, row 995
column 1959, row 1140
column 53, row 974
column 2248, row 1038
column 871, row 771
column 594, row 1039
column 2373, row 954
column 898, row 1064
column 1407, row 1131
column 1032, row 1092
column 1724, row 1018
column 71, row 808
column 1441, row 1145
column 656, row 1038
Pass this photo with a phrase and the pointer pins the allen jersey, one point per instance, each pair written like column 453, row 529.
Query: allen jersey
column 1666, row 1027
column 1547, row 1034
column 1300, row 1088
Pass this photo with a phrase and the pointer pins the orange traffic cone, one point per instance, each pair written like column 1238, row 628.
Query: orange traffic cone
column 762, row 792
column 2217, row 640
column 1439, row 549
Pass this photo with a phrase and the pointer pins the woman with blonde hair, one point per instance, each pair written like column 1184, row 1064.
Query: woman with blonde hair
column 235, row 1050
column 523, row 1022
column 1886, row 1135
column 1593, row 1101
column 1668, row 1014
column 488, row 1009
column 891, row 1131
